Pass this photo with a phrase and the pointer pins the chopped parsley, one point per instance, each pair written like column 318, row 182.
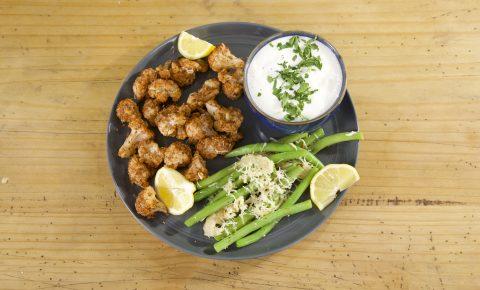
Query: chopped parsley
column 289, row 84
column 259, row 94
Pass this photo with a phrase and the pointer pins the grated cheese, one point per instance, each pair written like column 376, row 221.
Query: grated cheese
column 269, row 184
column 269, row 190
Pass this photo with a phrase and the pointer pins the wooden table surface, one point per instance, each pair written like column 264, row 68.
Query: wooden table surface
column 413, row 221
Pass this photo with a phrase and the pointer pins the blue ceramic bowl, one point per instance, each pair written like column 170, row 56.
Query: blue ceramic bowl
column 285, row 127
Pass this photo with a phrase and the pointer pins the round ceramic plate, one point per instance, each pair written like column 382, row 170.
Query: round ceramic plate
column 241, row 38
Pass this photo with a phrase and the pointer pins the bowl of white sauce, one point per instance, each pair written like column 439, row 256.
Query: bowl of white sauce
column 294, row 80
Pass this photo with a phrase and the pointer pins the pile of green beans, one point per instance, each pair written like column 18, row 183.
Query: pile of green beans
column 213, row 207
column 245, row 229
column 291, row 200
column 263, row 221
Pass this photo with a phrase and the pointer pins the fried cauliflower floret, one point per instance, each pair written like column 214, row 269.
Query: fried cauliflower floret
column 212, row 146
column 170, row 120
column 183, row 76
column 199, row 126
column 178, row 154
column 222, row 58
column 197, row 170
column 203, row 65
column 127, row 111
column 147, row 204
column 161, row 90
column 139, row 132
column 163, row 70
column 141, row 83
column 232, row 82
column 227, row 119
column 181, row 133
column 198, row 65
column 183, row 70
column 235, row 136
column 138, row 172
column 209, row 90
column 151, row 154
column 150, row 110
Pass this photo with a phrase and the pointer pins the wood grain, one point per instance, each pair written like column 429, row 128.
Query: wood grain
column 412, row 222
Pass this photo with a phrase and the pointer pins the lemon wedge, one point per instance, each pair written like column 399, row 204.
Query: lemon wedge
column 174, row 190
column 193, row 47
column 330, row 180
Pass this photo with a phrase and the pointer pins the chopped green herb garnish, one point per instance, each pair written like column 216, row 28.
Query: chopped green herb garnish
column 289, row 86
column 293, row 41
column 259, row 94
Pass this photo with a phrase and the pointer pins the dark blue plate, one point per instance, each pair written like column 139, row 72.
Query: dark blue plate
column 241, row 38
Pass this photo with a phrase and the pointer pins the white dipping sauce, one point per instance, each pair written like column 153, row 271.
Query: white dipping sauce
column 327, row 81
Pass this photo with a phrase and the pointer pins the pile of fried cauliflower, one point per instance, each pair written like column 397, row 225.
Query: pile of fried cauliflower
column 201, row 122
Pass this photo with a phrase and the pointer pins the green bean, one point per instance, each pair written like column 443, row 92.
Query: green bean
column 334, row 139
column 265, row 220
column 228, row 199
column 285, row 156
column 317, row 134
column 292, row 138
column 214, row 187
column 313, row 160
column 262, row 147
column 299, row 153
column 292, row 199
column 217, row 176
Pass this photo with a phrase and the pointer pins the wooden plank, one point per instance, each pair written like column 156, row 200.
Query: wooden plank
column 413, row 221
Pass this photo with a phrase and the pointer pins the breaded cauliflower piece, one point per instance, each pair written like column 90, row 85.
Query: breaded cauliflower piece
column 178, row 154
column 138, row 172
column 209, row 90
column 171, row 120
column 212, row 146
column 139, row 132
column 235, row 136
column 222, row 58
column 163, row 70
column 181, row 133
column 127, row 111
column 147, row 204
column 232, row 82
column 182, row 76
column 161, row 90
column 150, row 110
column 198, row 65
column 183, row 70
column 141, row 83
column 227, row 119
column 197, row 170
column 151, row 154
column 199, row 126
